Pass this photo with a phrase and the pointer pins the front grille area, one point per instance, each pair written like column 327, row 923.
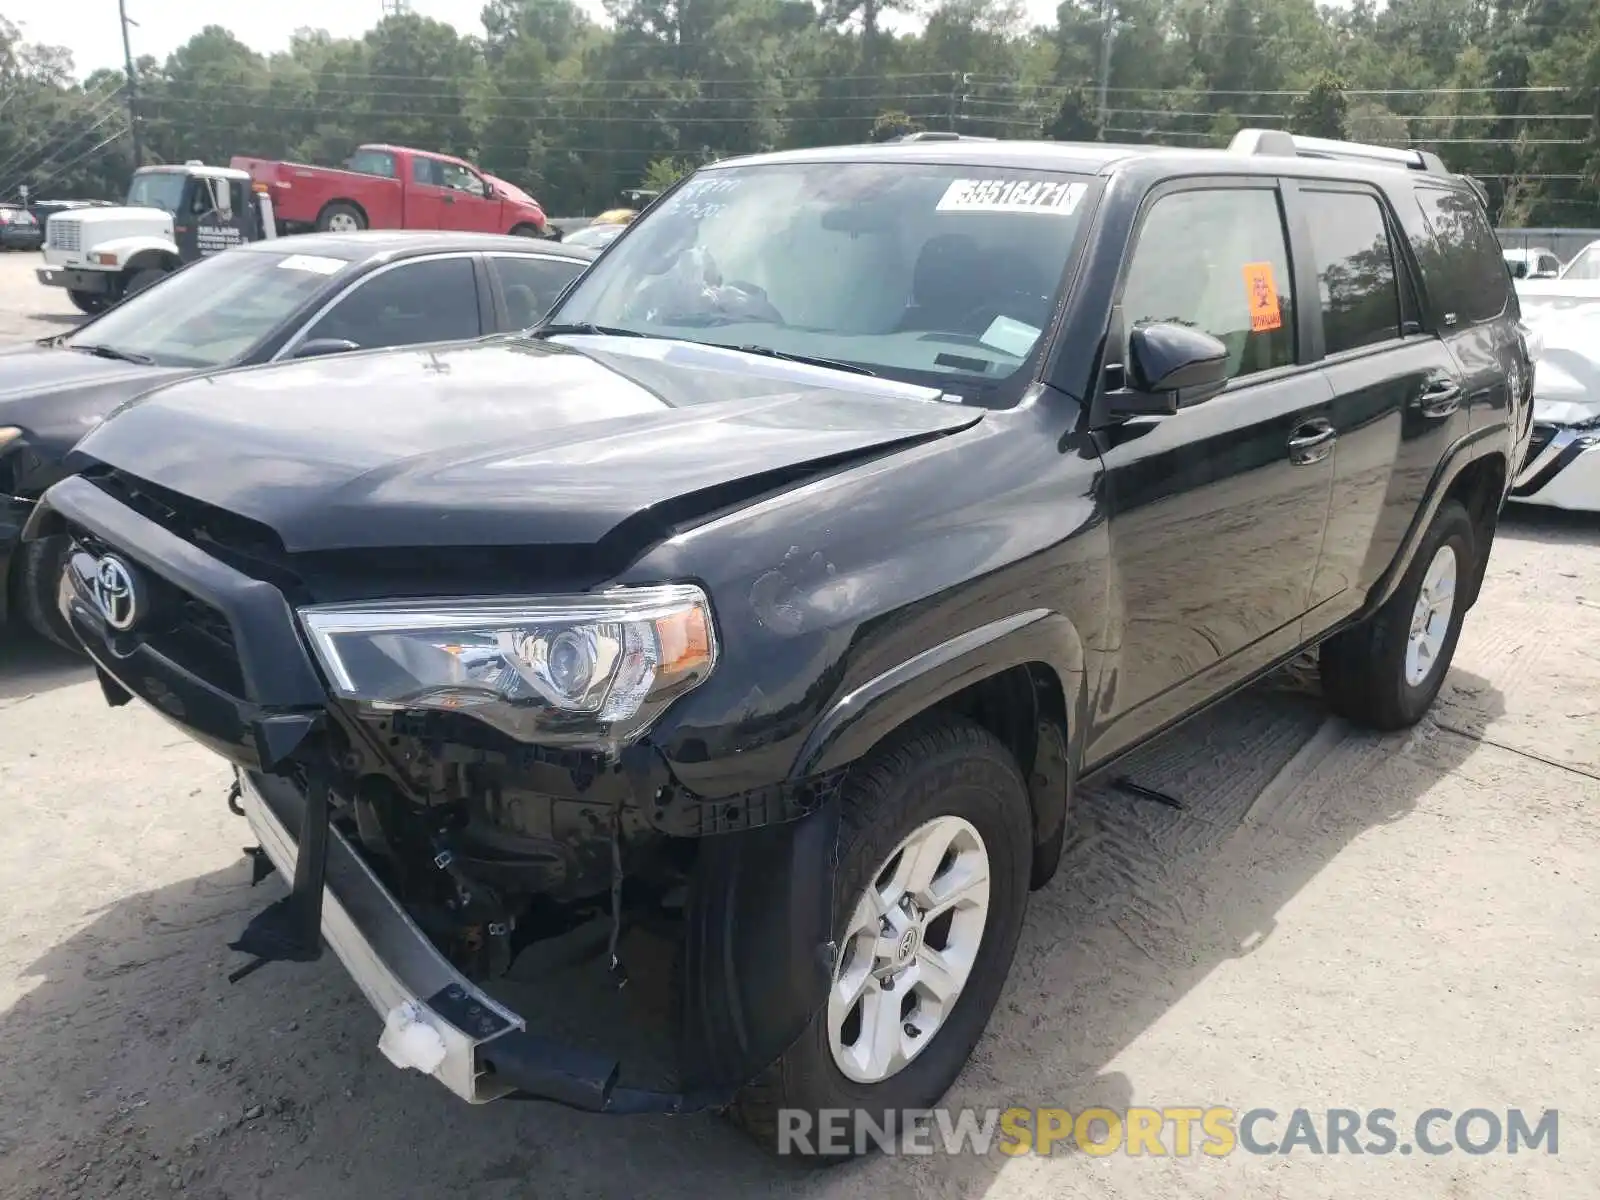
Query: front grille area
column 64, row 233
column 181, row 627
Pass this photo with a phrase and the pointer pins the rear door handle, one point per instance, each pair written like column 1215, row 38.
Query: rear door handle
column 1440, row 397
column 1312, row 442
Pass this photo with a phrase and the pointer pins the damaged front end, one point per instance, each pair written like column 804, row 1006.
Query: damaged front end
column 463, row 800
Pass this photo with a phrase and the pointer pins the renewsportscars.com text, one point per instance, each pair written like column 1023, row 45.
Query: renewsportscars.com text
column 1181, row 1131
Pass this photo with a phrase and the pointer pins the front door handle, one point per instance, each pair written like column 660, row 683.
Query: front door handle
column 448, row 198
column 1440, row 397
column 1312, row 442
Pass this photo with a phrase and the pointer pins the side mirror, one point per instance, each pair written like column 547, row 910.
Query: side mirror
column 222, row 197
column 319, row 347
column 1169, row 367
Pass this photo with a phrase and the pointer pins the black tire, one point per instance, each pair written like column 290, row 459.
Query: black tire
column 142, row 278
column 946, row 768
column 1364, row 667
column 39, row 570
column 525, row 230
column 340, row 208
column 89, row 302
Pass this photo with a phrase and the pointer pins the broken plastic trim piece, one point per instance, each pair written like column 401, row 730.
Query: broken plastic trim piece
column 290, row 929
column 539, row 1068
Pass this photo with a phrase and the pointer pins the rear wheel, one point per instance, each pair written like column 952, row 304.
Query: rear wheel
column 88, row 302
column 341, row 217
column 932, row 883
column 1385, row 672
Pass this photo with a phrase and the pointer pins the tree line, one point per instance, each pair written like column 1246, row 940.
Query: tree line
column 576, row 111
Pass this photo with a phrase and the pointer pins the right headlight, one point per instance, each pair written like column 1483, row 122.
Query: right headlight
column 582, row 670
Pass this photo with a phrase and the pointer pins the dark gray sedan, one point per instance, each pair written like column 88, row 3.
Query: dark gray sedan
column 299, row 297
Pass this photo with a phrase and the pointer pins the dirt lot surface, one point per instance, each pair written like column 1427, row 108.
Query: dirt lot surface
column 1335, row 920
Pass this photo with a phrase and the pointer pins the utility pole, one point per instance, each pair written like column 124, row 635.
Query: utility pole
column 133, row 86
column 1108, row 34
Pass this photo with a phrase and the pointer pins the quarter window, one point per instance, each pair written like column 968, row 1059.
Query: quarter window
column 431, row 301
column 1216, row 259
column 1355, row 269
column 1463, row 267
column 531, row 284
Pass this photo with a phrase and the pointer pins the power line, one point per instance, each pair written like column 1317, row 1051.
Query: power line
column 15, row 164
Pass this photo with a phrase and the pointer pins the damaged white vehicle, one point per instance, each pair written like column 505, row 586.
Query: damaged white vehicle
column 1562, row 467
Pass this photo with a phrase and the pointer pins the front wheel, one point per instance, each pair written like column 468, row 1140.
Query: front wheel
column 932, row 883
column 40, row 567
column 525, row 230
column 88, row 302
column 142, row 278
column 1385, row 672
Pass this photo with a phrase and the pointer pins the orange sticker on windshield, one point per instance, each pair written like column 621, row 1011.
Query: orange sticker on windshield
column 1262, row 296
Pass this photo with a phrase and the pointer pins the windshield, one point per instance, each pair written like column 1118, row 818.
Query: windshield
column 211, row 312
column 1585, row 266
column 934, row 274
column 156, row 189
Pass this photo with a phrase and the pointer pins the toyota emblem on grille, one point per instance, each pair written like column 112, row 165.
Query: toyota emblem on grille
column 115, row 593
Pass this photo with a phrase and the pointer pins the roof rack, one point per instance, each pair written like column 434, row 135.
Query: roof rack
column 941, row 135
column 1283, row 144
column 1289, row 145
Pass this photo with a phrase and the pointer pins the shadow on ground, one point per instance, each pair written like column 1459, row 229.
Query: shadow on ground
column 69, row 319
column 143, row 1072
column 1550, row 525
column 29, row 664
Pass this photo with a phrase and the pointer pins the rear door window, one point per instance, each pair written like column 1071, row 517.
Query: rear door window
column 1355, row 269
column 1462, row 268
column 1216, row 259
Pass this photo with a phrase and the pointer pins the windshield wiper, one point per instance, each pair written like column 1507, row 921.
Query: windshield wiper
column 584, row 327
column 809, row 359
column 144, row 360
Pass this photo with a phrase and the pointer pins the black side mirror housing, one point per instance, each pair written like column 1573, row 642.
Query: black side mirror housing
column 319, row 347
column 1169, row 367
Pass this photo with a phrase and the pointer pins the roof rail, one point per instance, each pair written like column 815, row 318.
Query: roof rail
column 1278, row 142
column 941, row 135
column 1289, row 145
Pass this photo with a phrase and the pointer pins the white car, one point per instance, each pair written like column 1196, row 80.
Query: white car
column 1585, row 264
column 1532, row 262
column 1562, row 468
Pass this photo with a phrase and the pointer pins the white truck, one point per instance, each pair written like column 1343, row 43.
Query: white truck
column 172, row 216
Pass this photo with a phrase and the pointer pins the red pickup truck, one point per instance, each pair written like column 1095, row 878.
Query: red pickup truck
column 394, row 187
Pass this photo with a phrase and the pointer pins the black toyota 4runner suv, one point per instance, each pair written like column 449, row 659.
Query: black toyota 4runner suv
column 781, row 587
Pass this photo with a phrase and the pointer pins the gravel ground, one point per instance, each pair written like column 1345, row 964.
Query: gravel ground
column 1334, row 920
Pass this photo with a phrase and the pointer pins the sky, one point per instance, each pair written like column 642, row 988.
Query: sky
column 89, row 28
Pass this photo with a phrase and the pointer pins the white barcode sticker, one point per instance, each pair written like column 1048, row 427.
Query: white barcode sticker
column 1012, row 195
column 315, row 263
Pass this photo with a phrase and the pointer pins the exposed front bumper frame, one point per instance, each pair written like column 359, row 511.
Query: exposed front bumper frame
column 488, row 1052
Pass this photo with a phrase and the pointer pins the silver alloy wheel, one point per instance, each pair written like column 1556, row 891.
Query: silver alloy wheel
column 343, row 222
column 908, row 949
column 1430, row 618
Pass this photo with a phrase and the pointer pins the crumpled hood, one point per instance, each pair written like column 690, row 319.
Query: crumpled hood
column 55, row 395
column 506, row 442
column 1566, row 384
